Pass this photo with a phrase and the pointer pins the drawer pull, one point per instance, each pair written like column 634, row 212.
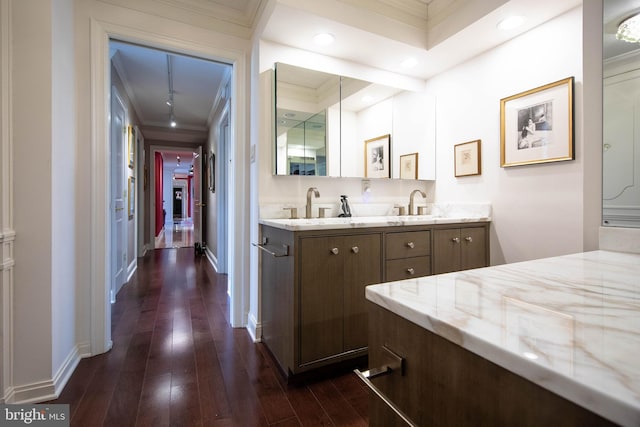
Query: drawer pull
column 411, row 271
column 468, row 239
column 456, row 240
column 411, row 245
column 355, row 249
column 335, row 251
column 394, row 363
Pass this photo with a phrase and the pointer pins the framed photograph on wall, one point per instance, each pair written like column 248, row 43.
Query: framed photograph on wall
column 536, row 126
column 131, row 146
column 376, row 157
column 211, row 172
column 467, row 158
column 409, row 166
column 131, row 194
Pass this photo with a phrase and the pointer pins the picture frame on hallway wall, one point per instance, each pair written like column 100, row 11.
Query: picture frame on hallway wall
column 409, row 166
column 376, row 157
column 467, row 159
column 131, row 197
column 536, row 126
column 131, row 147
column 211, row 172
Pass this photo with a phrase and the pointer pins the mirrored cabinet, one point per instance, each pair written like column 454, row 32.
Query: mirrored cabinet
column 323, row 122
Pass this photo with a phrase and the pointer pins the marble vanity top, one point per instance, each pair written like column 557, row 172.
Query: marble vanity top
column 570, row 324
column 301, row 224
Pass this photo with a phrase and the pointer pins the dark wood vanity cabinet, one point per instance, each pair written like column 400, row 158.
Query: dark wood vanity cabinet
column 313, row 300
column 314, row 310
column 460, row 248
column 334, row 270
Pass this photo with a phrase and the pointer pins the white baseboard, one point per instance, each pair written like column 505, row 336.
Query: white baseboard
column 212, row 259
column 254, row 328
column 132, row 269
column 43, row 391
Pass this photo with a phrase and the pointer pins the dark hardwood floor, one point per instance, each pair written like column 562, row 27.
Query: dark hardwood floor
column 176, row 361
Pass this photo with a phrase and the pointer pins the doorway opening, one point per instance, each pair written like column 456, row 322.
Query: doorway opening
column 174, row 104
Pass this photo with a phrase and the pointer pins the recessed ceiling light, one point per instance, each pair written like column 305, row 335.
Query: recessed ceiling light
column 289, row 115
column 510, row 23
column 409, row 63
column 323, row 39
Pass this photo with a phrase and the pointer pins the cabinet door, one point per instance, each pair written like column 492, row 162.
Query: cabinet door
column 363, row 267
column 474, row 250
column 321, row 298
column 446, row 256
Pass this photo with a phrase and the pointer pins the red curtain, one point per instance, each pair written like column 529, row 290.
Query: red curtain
column 159, row 166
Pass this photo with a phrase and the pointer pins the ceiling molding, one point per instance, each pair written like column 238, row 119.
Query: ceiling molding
column 234, row 17
column 116, row 60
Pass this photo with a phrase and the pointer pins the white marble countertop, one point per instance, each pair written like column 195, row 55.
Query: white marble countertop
column 301, row 224
column 570, row 324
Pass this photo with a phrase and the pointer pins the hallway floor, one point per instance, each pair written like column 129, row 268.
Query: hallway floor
column 176, row 361
column 178, row 234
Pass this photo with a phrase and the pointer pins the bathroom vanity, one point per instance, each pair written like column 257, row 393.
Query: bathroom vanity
column 546, row 342
column 314, row 274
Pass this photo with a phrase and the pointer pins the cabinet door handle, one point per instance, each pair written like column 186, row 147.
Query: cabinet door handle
column 456, row 240
column 468, row 239
column 411, row 245
column 410, row 270
column 355, row 249
column 335, row 251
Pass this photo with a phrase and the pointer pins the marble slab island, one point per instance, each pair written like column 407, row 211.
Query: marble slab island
column 569, row 324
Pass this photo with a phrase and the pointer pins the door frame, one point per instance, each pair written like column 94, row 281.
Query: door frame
column 205, row 45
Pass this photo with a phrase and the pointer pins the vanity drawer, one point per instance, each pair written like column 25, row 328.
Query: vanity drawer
column 406, row 268
column 408, row 244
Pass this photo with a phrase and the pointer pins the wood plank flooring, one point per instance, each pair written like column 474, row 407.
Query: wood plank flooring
column 176, row 361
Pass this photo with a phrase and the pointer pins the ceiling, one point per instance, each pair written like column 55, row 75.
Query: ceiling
column 438, row 34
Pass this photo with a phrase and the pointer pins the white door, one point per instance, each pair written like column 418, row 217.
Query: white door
column 196, row 196
column 117, row 211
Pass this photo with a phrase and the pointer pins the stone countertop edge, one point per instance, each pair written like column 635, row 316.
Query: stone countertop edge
column 588, row 394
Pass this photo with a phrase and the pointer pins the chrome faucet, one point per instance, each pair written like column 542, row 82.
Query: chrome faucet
column 412, row 203
column 311, row 191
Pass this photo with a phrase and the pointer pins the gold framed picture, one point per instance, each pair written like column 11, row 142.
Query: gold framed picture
column 409, row 166
column 131, row 146
column 131, row 194
column 467, row 158
column 376, row 157
column 536, row 126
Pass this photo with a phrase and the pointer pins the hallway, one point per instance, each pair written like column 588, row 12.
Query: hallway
column 176, row 361
column 178, row 234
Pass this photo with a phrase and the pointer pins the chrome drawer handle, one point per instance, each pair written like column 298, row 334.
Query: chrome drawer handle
column 410, row 271
column 468, row 239
column 355, row 249
column 456, row 240
column 411, row 245
column 335, row 251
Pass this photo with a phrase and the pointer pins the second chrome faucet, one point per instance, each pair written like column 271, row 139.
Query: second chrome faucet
column 312, row 191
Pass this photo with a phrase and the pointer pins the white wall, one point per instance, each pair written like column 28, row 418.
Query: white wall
column 537, row 209
column 64, row 208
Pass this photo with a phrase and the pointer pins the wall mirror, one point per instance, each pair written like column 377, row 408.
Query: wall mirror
column 323, row 122
column 621, row 119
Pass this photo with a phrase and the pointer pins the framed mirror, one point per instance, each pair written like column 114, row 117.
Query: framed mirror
column 323, row 122
column 621, row 120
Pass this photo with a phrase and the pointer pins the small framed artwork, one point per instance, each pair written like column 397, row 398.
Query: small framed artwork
column 132, row 197
column 409, row 166
column 376, row 157
column 536, row 126
column 211, row 172
column 467, row 158
column 131, row 146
